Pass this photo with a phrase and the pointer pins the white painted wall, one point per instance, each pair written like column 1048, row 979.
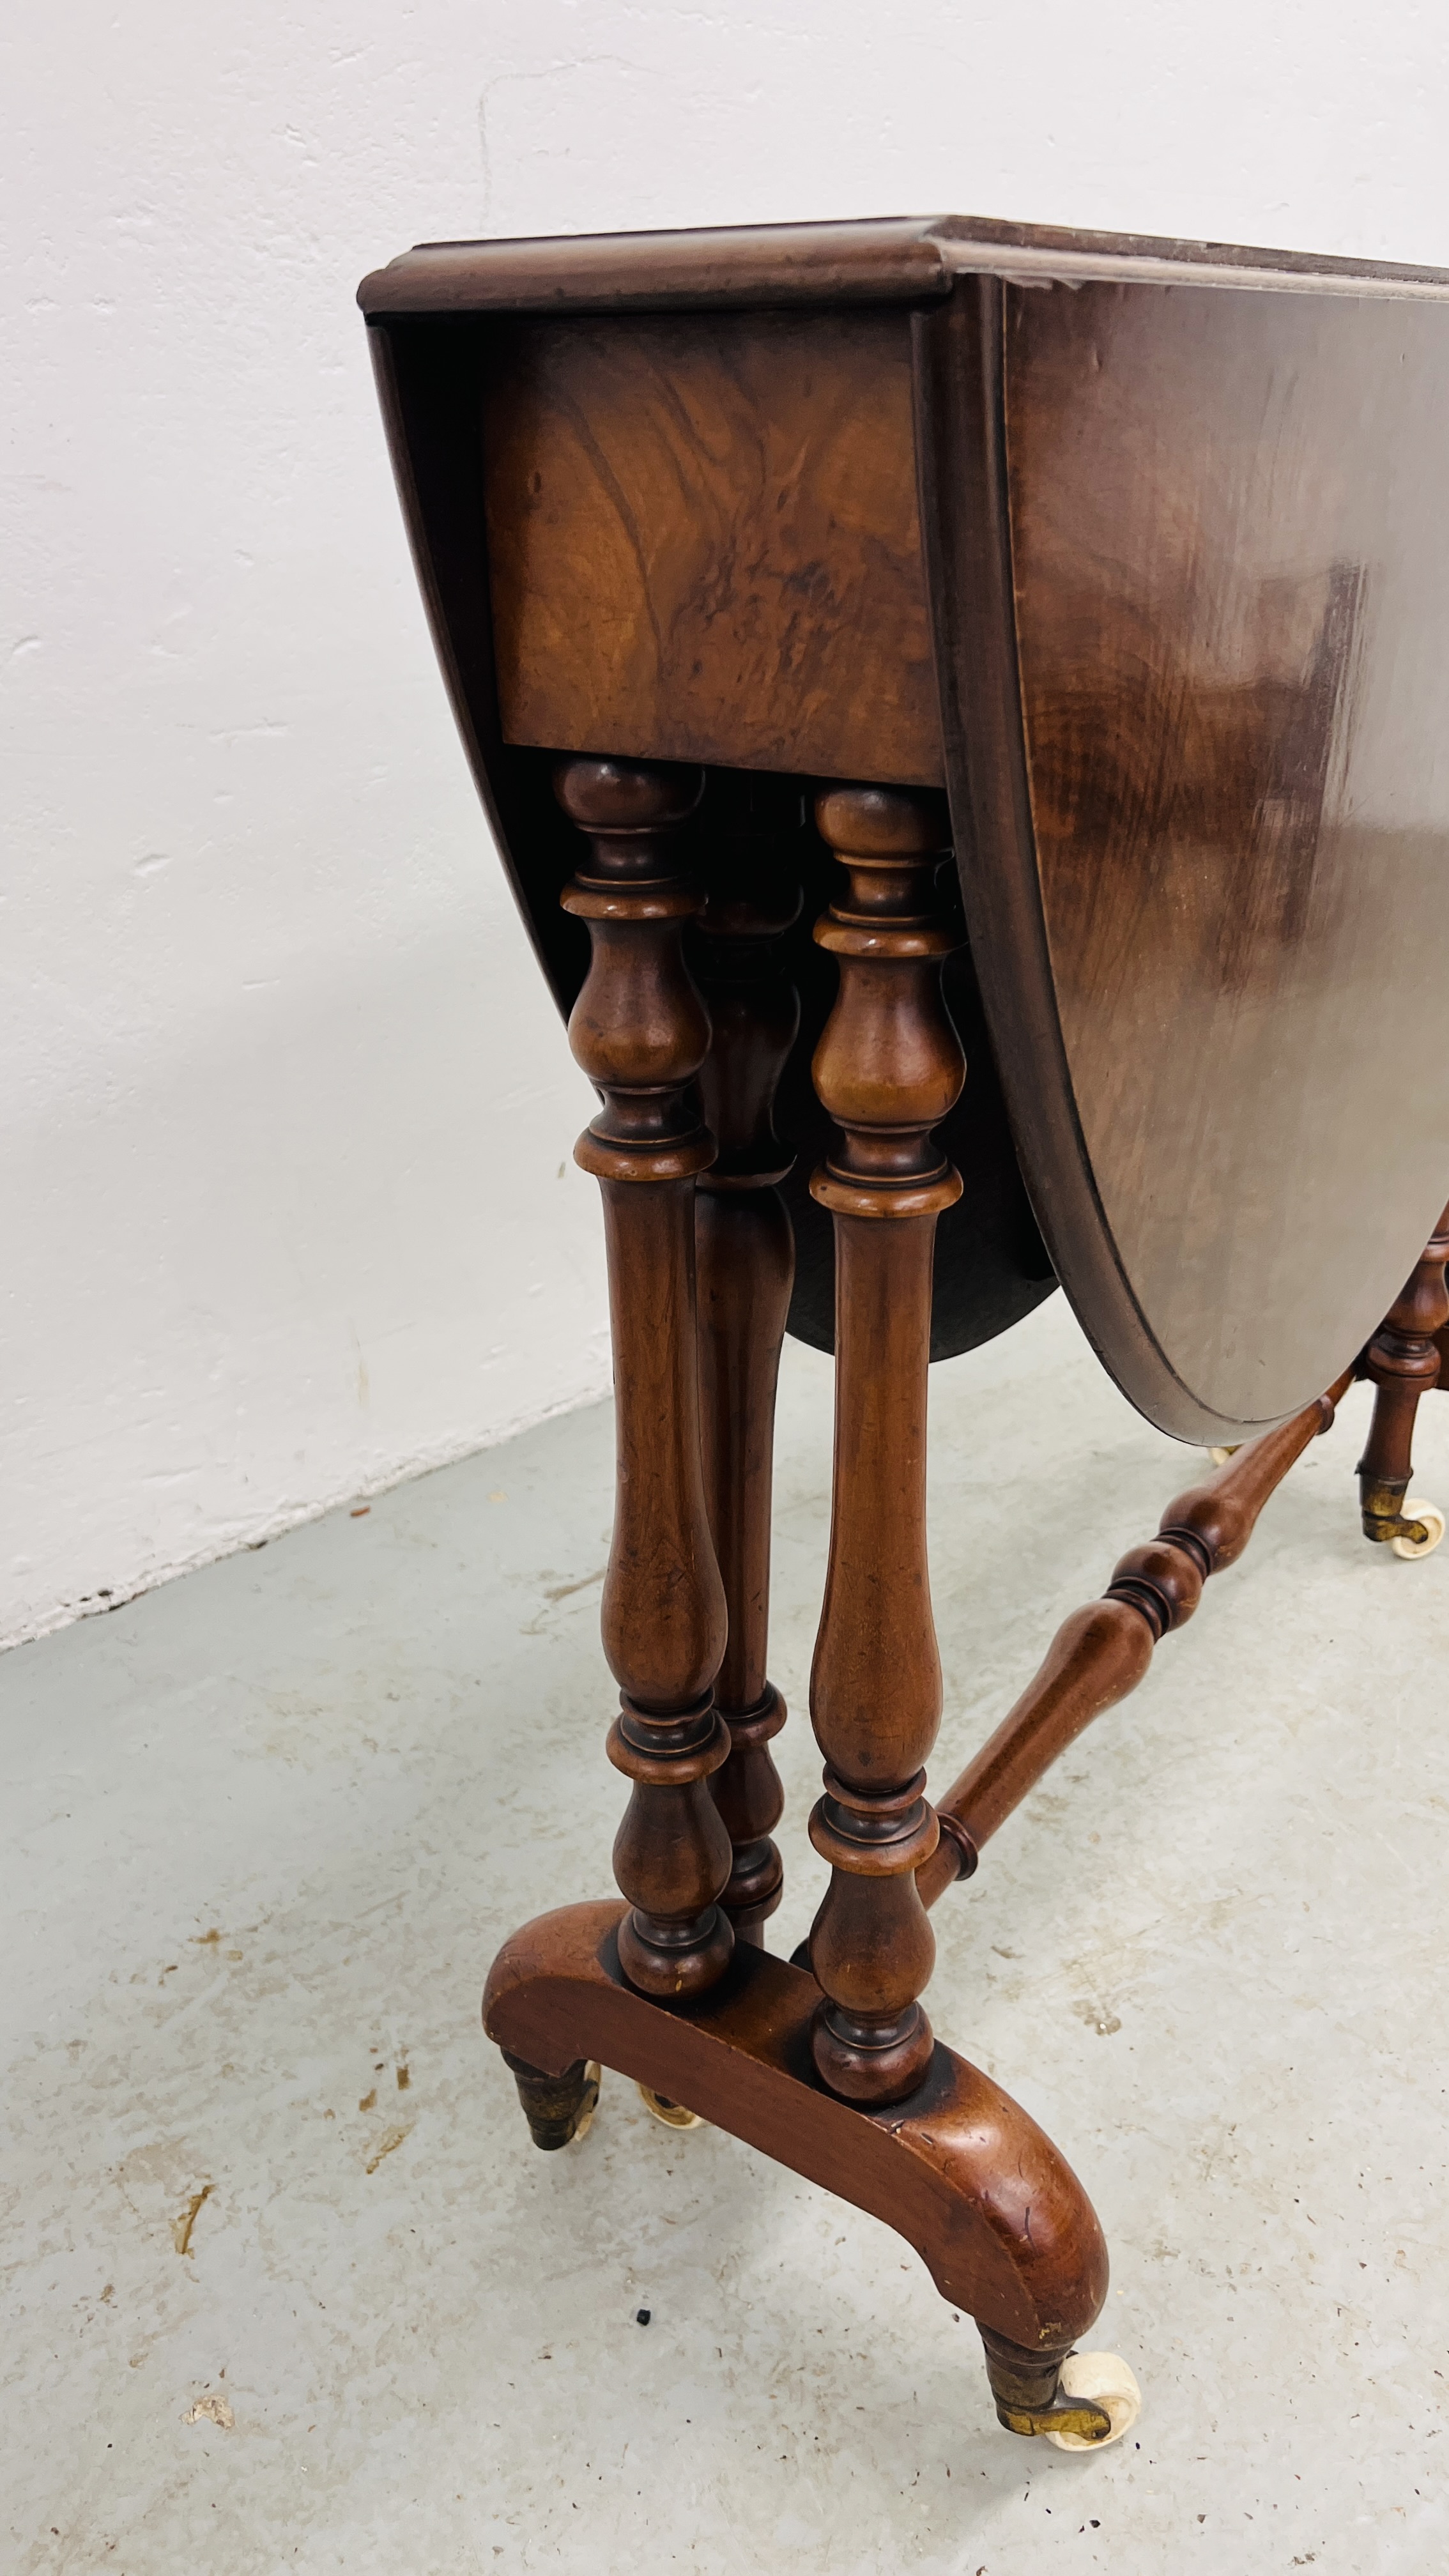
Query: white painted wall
column 282, row 1102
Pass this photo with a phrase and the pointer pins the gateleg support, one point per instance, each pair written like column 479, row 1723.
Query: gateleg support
column 959, row 2171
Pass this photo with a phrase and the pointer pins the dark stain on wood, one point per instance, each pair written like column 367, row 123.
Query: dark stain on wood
column 705, row 544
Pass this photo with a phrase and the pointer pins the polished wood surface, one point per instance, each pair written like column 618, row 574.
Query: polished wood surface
column 639, row 1031
column 759, row 265
column 1232, row 604
column 1139, row 549
column 1143, row 541
column 1403, row 1361
column 963, row 2174
column 1101, row 1653
column 703, row 541
column 894, row 259
column 745, row 1261
column 888, row 1069
column 992, row 1267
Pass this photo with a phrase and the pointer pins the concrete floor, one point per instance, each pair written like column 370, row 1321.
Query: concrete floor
column 286, row 2285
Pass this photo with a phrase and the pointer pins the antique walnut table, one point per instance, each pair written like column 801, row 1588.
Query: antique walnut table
column 888, row 649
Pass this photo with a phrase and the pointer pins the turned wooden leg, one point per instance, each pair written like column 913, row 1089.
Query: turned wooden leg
column 640, row 1030
column 1403, row 1361
column 746, row 1263
column 889, row 1066
column 656, row 1987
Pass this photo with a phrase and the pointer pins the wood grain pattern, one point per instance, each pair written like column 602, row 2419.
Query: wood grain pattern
column 1223, row 516
column 745, row 1261
column 1232, row 602
column 704, row 541
column 991, row 2206
column 991, row 1266
column 888, row 1068
column 640, row 1032
column 1152, row 571
column 1101, row 1653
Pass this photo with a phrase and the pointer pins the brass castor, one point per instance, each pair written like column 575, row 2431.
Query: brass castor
column 1394, row 1518
column 1428, row 1528
column 559, row 2109
column 1220, row 1457
column 673, row 2114
column 1097, row 2379
column 1081, row 2401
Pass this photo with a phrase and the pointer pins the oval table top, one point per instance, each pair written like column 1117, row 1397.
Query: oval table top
column 1136, row 547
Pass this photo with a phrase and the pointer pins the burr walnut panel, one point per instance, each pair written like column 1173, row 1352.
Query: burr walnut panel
column 704, row 540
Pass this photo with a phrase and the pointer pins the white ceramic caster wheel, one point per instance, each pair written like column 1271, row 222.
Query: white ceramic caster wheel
column 1104, row 2379
column 1433, row 1520
column 593, row 2074
column 673, row 2114
column 1220, row 1457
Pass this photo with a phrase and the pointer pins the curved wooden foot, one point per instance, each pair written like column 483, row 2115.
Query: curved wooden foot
column 996, row 2214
